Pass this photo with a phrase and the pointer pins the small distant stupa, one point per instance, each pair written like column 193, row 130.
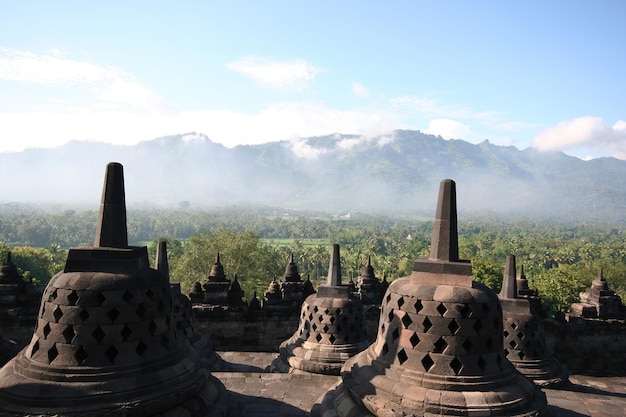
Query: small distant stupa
column 331, row 330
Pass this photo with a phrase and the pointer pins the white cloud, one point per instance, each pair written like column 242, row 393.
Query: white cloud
column 590, row 132
column 51, row 67
column 301, row 148
column 295, row 75
column 112, row 86
column 278, row 122
column 449, row 129
column 359, row 90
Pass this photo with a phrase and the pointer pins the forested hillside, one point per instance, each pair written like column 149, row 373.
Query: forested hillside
column 559, row 260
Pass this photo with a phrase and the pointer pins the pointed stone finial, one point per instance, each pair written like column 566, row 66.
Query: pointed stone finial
column 334, row 268
column 111, row 228
column 445, row 240
column 509, row 283
column 9, row 257
column 162, row 265
column 443, row 265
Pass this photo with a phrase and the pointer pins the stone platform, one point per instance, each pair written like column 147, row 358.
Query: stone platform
column 257, row 393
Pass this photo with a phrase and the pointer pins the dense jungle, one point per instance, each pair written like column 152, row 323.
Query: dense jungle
column 559, row 260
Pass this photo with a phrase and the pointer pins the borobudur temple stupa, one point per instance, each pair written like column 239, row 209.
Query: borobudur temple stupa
column 439, row 348
column 524, row 340
column 331, row 329
column 105, row 343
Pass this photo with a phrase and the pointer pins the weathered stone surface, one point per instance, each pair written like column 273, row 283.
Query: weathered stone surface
column 524, row 340
column 439, row 348
column 331, row 329
column 105, row 342
column 599, row 301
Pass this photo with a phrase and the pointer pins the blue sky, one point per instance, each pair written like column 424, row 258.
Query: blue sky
column 547, row 74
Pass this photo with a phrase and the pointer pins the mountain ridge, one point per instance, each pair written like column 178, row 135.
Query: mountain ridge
column 394, row 173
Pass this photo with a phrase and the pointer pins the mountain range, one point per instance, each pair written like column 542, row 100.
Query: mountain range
column 397, row 173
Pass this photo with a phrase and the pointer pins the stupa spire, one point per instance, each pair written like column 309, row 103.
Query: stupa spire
column 334, row 268
column 445, row 240
column 162, row 265
column 509, row 284
column 111, row 228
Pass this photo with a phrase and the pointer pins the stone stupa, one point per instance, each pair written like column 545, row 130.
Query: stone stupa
column 524, row 340
column 599, row 301
column 439, row 349
column 331, row 330
column 105, row 343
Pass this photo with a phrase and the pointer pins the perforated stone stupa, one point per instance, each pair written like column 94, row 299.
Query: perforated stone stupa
column 439, row 346
column 369, row 289
column 105, row 343
column 598, row 301
column 524, row 340
column 331, row 330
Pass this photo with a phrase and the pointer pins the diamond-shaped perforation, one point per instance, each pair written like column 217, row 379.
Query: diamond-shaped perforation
column 314, row 327
column 489, row 343
column 427, row 362
column 80, row 355
column 46, row 330
column 315, row 309
column 111, row 353
column 53, row 296
column 395, row 334
column 478, row 326
column 402, row 356
column 126, row 332
column 520, row 335
column 100, row 299
column 400, row 302
column 332, row 339
column 388, row 298
column 456, row 365
column 466, row 311
column 468, row 345
column 128, row 296
column 453, row 327
column 522, row 355
column 326, row 328
column 165, row 342
column 320, row 318
column 310, row 316
column 513, row 344
column 35, row 348
column 441, row 309
column 384, row 350
column 113, row 314
column 152, row 327
column 506, row 352
column 391, row 315
column 318, row 337
column 332, row 320
column 427, row 324
column 406, row 320
column 418, row 306
column 98, row 334
column 482, row 364
column 440, row 345
column 58, row 313
column 52, row 353
column 72, row 298
column 414, row 339
column 141, row 311
column 513, row 325
column 141, row 348
column 68, row 334
column 505, row 333
column 327, row 312
column 84, row 315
